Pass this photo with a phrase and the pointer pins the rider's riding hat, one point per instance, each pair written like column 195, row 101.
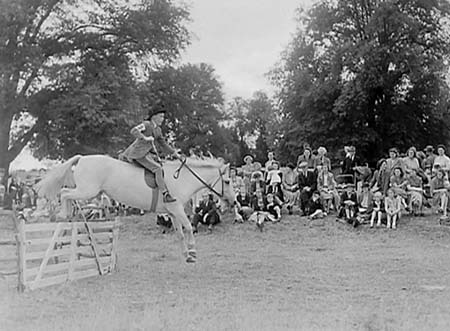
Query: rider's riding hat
column 156, row 109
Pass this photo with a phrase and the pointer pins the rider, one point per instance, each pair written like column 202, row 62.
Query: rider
column 144, row 150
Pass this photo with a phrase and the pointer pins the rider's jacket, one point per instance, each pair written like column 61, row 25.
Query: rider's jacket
column 140, row 147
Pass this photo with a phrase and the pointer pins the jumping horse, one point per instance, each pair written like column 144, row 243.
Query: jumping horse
column 84, row 177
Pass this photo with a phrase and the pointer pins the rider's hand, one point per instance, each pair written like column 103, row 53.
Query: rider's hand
column 149, row 138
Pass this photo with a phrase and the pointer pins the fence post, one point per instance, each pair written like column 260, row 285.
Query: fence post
column 21, row 262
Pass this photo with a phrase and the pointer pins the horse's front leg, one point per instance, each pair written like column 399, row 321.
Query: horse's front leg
column 181, row 220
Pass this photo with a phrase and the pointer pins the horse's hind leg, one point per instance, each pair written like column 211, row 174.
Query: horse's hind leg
column 79, row 193
column 180, row 220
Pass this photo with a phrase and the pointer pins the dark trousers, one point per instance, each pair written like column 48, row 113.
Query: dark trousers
column 211, row 219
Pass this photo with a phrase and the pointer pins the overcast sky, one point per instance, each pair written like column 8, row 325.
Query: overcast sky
column 242, row 39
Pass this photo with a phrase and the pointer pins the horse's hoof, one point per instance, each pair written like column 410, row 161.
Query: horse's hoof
column 191, row 259
column 192, row 254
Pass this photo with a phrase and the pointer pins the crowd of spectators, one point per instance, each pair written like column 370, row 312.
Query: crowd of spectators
column 355, row 193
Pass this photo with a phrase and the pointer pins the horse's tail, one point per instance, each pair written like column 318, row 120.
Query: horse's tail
column 57, row 178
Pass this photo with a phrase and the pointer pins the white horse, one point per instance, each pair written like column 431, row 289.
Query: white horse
column 83, row 177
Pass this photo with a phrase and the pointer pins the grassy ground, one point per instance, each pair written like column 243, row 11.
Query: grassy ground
column 295, row 275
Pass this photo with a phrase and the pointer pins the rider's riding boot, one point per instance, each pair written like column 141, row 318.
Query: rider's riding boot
column 167, row 198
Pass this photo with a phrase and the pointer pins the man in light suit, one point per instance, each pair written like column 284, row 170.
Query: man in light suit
column 149, row 143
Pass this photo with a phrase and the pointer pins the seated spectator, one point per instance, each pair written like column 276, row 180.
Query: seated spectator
column 274, row 178
column 410, row 162
column 381, row 178
column 290, row 187
column 315, row 208
column 307, row 157
column 363, row 175
column 394, row 161
column 327, row 188
column 365, row 201
column 349, row 203
column 439, row 187
column 398, row 183
column 258, row 201
column 415, row 192
column 392, row 206
column 377, row 209
column 206, row 212
column 442, row 160
column 321, row 159
column 273, row 208
column 428, row 161
column 244, row 205
column 307, row 184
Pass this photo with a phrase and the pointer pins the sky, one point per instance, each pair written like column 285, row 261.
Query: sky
column 242, row 39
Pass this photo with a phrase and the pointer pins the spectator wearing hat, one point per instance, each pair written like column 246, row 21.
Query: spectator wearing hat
column 307, row 157
column 439, row 189
column 307, row 184
column 247, row 170
column 377, row 209
column 428, row 161
column 290, row 186
column 411, row 162
column 442, row 160
column 150, row 143
column 394, row 161
column 349, row 163
column 380, row 179
column 321, row 159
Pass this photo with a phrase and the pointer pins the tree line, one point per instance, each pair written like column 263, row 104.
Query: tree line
column 368, row 73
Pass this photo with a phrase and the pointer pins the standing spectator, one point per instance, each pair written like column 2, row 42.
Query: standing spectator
column 274, row 178
column 321, row 159
column 349, row 163
column 442, row 160
column 270, row 162
column 307, row 157
column 411, row 162
column 377, row 209
column 439, row 187
column 381, row 179
column 392, row 205
column 307, row 184
column 290, row 187
column 247, row 170
column 415, row 192
column 428, row 162
column 236, row 181
column 206, row 212
column 394, row 161
column 327, row 188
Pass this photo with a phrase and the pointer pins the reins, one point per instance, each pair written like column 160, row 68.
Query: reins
column 210, row 187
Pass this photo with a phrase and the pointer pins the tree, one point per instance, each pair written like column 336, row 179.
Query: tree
column 71, row 70
column 194, row 99
column 368, row 73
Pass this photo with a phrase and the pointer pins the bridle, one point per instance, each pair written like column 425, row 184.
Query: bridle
column 201, row 180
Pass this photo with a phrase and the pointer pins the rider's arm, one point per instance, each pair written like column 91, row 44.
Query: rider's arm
column 138, row 130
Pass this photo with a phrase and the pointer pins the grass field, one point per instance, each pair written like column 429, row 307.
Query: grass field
column 295, row 275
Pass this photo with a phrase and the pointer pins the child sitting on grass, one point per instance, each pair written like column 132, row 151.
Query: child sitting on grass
column 393, row 207
column 315, row 208
column 348, row 203
column 377, row 209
